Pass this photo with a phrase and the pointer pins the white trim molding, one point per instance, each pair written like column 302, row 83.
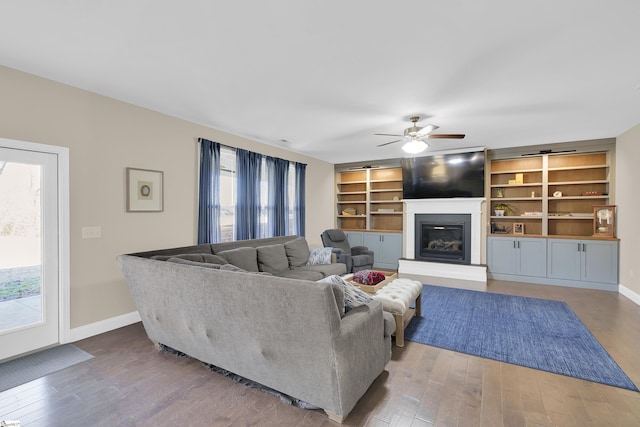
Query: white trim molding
column 103, row 326
column 633, row 296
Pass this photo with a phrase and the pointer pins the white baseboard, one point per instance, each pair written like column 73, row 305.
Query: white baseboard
column 103, row 326
column 629, row 294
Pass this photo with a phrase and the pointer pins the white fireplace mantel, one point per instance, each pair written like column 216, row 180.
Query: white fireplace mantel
column 473, row 206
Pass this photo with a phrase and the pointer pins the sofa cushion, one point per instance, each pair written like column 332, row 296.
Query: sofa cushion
column 297, row 252
column 195, row 263
column 319, row 256
column 300, row 274
column 231, row 267
column 353, row 297
column 246, row 258
column 209, row 258
column 325, row 269
column 272, row 258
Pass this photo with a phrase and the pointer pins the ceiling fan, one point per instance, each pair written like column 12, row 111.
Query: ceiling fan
column 416, row 136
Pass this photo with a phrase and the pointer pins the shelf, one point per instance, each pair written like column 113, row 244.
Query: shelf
column 569, row 168
column 595, row 181
column 526, row 184
column 524, row 199
column 372, row 189
column 351, row 182
column 515, row 171
column 571, row 174
column 551, row 217
column 578, row 197
column 514, row 217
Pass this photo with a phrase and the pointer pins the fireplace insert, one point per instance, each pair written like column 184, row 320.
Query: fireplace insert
column 443, row 238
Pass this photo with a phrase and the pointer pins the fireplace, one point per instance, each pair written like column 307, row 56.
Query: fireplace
column 443, row 238
column 473, row 273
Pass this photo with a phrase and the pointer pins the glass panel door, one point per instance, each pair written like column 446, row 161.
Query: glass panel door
column 28, row 251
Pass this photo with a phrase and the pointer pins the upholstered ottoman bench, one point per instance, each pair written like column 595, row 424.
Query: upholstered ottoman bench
column 397, row 298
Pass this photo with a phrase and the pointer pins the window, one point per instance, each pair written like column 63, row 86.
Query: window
column 278, row 208
column 227, row 193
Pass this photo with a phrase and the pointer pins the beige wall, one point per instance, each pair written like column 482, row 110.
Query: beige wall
column 104, row 136
column 628, row 201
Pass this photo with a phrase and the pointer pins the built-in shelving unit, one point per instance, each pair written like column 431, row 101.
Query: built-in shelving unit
column 555, row 194
column 375, row 197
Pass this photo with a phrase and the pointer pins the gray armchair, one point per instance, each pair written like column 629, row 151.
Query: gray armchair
column 355, row 258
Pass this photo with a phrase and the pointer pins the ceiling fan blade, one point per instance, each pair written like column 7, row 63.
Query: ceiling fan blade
column 446, row 136
column 387, row 134
column 427, row 129
column 387, row 143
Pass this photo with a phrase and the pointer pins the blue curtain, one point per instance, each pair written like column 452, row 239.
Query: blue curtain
column 248, row 170
column 277, row 197
column 299, row 209
column 209, row 192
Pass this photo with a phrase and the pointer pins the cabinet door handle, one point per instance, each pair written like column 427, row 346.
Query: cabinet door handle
column 518, row 244
column 579, row 247
column 584, row 247
column 514, row 244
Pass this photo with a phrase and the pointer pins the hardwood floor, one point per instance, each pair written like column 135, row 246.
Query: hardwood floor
column 129, row 383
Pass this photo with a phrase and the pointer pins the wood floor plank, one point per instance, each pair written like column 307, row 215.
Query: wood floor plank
column 130, row 383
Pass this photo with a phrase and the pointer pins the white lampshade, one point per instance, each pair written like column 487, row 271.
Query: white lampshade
column 415, row 146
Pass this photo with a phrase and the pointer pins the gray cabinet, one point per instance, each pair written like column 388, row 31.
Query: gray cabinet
column 386, row 247
column 356, row 238
column 579, row 263
column 584, row 260
column 517, row 256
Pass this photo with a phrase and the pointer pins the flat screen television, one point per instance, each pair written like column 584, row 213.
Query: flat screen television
column 443, row 176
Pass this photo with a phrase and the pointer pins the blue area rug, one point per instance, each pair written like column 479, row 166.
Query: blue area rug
column 536, row 333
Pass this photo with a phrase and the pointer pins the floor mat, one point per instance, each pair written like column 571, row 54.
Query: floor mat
column 33, row 366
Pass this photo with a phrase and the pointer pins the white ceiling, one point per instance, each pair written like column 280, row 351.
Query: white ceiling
column 326, row 75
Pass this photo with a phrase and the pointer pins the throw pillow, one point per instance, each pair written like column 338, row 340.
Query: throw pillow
column 319, row 256
column 297, row 252
column 272, row 258
column 353, row 297
column 246, row 258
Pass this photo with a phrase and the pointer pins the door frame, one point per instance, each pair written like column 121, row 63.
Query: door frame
column 64, row 268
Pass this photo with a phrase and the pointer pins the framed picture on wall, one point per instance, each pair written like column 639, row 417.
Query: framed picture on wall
column 604, row 220
column 144, row 190
column 518, row 228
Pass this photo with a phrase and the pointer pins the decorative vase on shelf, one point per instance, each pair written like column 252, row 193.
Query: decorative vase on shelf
column 499, row 212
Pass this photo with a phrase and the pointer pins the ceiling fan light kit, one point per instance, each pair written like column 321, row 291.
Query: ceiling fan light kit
column 415, row 146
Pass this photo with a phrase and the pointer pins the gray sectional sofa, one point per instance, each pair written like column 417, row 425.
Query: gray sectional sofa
column 235, row 305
